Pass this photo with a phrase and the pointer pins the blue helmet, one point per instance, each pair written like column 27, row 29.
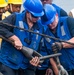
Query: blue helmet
column 49, row 15
column 35, row 7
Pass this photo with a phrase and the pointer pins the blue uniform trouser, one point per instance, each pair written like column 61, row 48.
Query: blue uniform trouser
column 5, row 70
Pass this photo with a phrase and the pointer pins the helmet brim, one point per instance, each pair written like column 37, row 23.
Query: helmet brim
column 49, row 21
column 3, row 5
column 38, row 14
column 16, row 3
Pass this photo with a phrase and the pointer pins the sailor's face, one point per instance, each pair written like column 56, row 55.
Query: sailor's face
column 1, row 10
column 54, row 24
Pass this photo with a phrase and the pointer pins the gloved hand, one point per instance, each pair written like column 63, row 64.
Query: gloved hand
column 57, row 46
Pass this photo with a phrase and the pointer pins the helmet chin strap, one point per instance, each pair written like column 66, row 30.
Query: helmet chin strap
column 30, row 18
column 11, row 8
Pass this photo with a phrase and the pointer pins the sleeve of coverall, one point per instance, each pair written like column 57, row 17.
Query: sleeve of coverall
column 5, row 30
column 63, row 13
column 70, row 23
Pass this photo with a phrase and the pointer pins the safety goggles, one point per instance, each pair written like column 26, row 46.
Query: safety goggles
column 34, row 16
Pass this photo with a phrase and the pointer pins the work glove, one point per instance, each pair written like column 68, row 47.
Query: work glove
column 57, row 46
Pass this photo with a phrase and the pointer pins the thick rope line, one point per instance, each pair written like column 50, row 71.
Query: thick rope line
column 47, row 36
